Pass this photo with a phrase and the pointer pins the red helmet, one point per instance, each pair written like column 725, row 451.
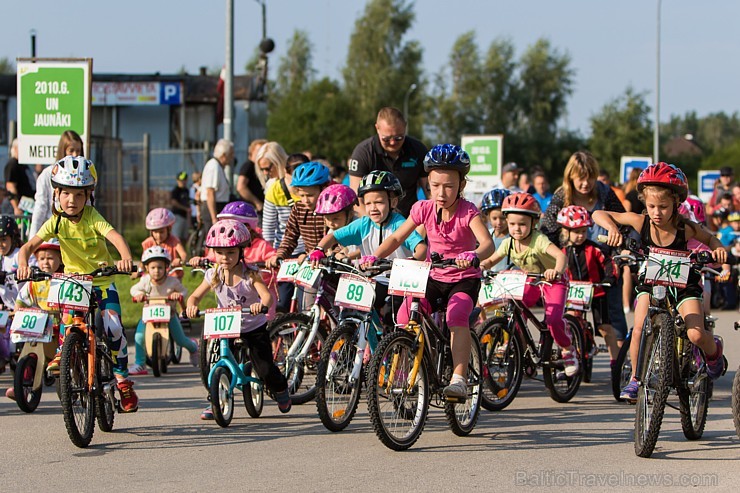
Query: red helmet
column 664, row 175
column 574, row 217
column 521, row 203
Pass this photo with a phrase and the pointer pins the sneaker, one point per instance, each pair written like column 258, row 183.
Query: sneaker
column 129, row 399
column 207, row 414
column 284, row 401
column 716, row 367
column 629, row 392
column 457, row 390
column 53, row 366
column 570, row 362
column 10, row 393
column 138, row 370
column 195, row 355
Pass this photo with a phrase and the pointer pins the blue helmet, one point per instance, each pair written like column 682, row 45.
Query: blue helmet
column 447, row 156
column 311, row 174
column 494, row 199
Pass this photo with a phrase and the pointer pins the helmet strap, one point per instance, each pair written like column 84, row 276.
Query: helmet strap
column 439, row 211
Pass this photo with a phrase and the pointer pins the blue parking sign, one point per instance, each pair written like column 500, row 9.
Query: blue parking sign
column 170, row 93
column 628, row 163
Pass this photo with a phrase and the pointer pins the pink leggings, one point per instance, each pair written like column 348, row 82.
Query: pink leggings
column 553, row 297
column 459, row 308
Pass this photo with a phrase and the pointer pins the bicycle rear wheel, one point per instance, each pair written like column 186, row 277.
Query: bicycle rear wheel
column 156, row 357
column 655, row 381
column 254, row 393
column 622, row 369
column 736, row 401
column 77, row 401
column 398, row 408
column 336, row 396
column 105, row 400
column 462, row 416
column 693, row 393
column 502, row 357
column 561, row 387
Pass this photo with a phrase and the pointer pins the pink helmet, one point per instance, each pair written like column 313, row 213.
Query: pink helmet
column 574, row 217
column 228, row 233
column 159, row 218
column 335, row 198
column 695, row 206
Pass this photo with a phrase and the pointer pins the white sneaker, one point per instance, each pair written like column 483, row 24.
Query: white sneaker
column 138, row 370
column 571, row 362
column 195, row 356
column 457, row 390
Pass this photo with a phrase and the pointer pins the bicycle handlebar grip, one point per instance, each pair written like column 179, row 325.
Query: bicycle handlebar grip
column 602, row 238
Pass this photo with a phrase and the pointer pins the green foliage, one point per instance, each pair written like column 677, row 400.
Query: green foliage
column 726, row 156
column 134, row 235
column 295, row 71
column 7, row 66
column 621, row 128
column 711, row 133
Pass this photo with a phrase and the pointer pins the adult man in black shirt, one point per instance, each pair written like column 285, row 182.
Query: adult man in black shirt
column 391, row 150
column 248, row 185
column 17, row 181
column 180, row 207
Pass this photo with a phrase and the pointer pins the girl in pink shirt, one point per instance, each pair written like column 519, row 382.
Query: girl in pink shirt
column 453, row 226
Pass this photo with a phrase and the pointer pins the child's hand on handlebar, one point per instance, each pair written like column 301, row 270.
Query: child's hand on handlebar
column 125, row 265
column 465, row 259
column 614, row 237
column 256, row 308
column 367, row 261
column 720, row 255
column 138, row 298
column 175, row 296
column 316, row 257
column 194, row 262
column 273, row 262
column 551, row 275
column 192, row 311
column 23, row 272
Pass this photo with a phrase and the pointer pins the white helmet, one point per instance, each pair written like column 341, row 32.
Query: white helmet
column 156, row 253
column 74, row 172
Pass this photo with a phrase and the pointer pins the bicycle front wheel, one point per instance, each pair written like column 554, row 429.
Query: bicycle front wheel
column 398, row 407
column 693, row 393
column 502, row 364
column 222, row 397
column 736, row 401
column 78, row 404
column 26, row 396
column 301, row 375
column 655, row 380
column 462, row 416
column 337, row 396
column 209, row 355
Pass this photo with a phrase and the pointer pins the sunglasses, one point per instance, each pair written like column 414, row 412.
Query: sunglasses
column 267, row 169
column 394, row 138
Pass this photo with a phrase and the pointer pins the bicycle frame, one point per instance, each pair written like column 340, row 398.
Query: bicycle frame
column 238, row 378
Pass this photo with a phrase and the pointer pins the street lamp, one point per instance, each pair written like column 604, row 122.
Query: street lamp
column 656, row 127
column 411, row 89
column 33, row 43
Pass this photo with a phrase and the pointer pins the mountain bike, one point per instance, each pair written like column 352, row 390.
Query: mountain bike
column 413, row 365
column 578, row 304
column 509, row 349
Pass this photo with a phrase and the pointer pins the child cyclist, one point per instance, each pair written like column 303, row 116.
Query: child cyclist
column 336, row 204
column 159, row 222
column 491, row 210
column 587, row 261
column 34, row 294
column 453, row 227
column 235, row 284
column 662, row 188
column 156, row 261
column 82, row 233
column 533, row 253
column 380, row 192
column 10, row 241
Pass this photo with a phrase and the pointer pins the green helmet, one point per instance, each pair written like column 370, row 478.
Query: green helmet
column 377, row 181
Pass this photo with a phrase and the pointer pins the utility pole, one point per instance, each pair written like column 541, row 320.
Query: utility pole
column 229, row 73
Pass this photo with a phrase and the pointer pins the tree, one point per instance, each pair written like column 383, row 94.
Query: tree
column 7, row 67
column 499, row 100
column 621, row 128
column 381, row 65
column 295, row 71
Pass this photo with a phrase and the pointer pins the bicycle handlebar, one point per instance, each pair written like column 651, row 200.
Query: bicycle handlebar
column 246, row 310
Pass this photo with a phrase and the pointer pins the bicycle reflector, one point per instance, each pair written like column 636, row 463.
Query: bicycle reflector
column 659, row 292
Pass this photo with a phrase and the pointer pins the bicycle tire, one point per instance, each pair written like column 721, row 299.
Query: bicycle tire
column 655, row 374
column 622, row 369
column 26, row 396
column 502, row 370
column 462, row 417
column 301, row 378
column 589, row 342
column 336, row 397
column 77, row 402
column 156, row 358
column 561, row 387
column 105, row 403
column 736, row 401
column 254, row 394
column 209, row 355
column 195, row 242
column 693, row 401
column 222, row 397
column 175, row 352
column 390, row 409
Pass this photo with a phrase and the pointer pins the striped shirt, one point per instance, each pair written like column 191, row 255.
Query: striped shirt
column 275, row 216
column 302, row 223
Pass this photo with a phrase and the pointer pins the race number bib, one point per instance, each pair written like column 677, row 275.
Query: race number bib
column 507, row 285
column 70, row 293
column 156, row 313
column 409, row 278
column 667, row 267
column 4, row 316
column 579, row 295
column 223, row 323
column 29, row 323
column 356, row 292
column 288, row 269
column 306, row 276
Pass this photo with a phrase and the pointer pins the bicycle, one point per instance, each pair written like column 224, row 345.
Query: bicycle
column 413, row 364
column 340, row 372
column 667, row 359
column 231, row 370
column 195, row 240
column 578, row 303
column 86, row 378
column 160, row 347
column 736, row 396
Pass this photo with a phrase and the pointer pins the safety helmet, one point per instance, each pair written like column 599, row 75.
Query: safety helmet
column 447, row 156
column 733, row 216
column 52, row 244
column 182, row 176
column 228, row 233
column 159, row 218
column 156, row 253
column 335, row 198
column 8, row 227
column 379, row 181
column 521, row 203
column 494, row 199
column 240, row 211
column 311, row 174
column 574, row 217
column 664, row 175
column 74, row 172
column 696, row 206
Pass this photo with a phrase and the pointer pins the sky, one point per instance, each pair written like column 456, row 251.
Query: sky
column 612, row 43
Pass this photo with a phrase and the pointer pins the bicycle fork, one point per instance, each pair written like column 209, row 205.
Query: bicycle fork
column 359, row 354
column 302, row 342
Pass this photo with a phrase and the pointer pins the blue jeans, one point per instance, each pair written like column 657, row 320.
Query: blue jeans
column 176, row 333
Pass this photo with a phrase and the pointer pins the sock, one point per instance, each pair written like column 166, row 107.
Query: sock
column 458, row 379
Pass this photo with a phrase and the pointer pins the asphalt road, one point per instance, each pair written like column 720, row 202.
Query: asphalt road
column 535, row 444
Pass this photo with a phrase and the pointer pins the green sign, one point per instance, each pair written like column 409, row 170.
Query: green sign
column 53, row 96
column 486, row 152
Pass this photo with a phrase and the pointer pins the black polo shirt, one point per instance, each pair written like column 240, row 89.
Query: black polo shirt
column 369, row 155
column 253, row 183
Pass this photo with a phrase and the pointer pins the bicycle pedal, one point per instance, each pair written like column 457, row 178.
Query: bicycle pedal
column 455, row 400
